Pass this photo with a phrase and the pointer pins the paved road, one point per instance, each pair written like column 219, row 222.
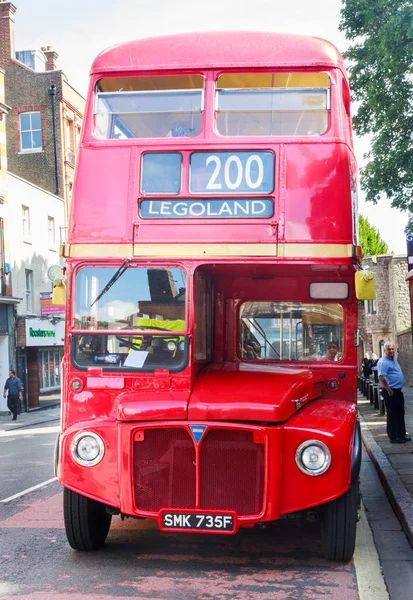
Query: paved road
column 283, row 562
column 26, row 457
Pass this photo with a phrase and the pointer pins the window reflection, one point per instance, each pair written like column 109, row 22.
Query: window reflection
column 291, row 331
column 139, row 293
column 149, row 301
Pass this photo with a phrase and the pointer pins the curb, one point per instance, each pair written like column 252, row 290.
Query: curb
column 43, row 421
column 399, row 497
column 41, row 408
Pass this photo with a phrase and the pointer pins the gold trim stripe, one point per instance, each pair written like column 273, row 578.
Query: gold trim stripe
column 315, row 250
column 204, row 250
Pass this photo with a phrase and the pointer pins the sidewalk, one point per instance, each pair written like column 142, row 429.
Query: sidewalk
column 394, row 462
column 28, row 419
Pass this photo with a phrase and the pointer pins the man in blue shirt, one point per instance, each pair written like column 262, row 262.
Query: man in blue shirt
column 392, row 380
column 15, row 388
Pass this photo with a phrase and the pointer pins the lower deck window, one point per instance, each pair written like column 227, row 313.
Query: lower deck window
column 291, row 331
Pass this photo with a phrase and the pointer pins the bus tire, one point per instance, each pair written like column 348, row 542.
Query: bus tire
column 86, row 521
column 338, row 526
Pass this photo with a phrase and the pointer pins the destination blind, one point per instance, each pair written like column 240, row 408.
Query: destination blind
column 211, row 175
column 207, row 208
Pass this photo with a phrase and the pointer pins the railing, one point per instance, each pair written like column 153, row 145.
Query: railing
column 371, row 390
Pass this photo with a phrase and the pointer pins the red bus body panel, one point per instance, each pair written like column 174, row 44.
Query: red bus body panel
column 254, row 415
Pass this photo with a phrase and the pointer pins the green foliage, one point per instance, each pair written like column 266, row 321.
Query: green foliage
column 370, row 240
column 381, row 79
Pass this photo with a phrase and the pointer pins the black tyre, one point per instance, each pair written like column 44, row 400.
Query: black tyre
column 86, row 521
column 338, row 529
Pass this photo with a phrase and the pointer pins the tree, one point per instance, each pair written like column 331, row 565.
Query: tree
column 381, row 78
column 370, row 239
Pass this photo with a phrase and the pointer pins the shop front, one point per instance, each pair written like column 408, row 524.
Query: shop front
column 7, row 341
column 39, row 354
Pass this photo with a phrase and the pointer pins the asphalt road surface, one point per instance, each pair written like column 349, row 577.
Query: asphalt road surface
column 281, row 562
column 26, row 458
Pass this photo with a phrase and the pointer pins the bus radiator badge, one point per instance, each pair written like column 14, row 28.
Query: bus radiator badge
column 197, row 431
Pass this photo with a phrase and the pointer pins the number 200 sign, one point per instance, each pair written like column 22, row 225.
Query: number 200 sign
column 232, row 173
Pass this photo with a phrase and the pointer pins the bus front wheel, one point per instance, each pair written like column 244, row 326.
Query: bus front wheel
column 339, row 521
column 86, row 521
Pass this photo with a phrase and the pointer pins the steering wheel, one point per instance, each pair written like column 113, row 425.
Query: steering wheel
column 126, row 343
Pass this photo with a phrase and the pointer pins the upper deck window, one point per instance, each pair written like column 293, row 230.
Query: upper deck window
column 272, row 104
column 149, row 107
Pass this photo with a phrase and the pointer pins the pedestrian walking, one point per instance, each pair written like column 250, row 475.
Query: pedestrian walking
column 366, row 366
column 392, row 380
column 15, row 392
column 374, row 361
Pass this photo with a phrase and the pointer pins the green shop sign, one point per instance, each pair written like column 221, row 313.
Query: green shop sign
column 41, row 333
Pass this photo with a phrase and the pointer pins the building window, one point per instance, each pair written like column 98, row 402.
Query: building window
column 69, row 135
column 78, row 131
column 49, row 369
column 2, row 260
column 29, row 291
column 371, row 307
column 26, row 222
column 51, row 231
column 381, row 347
column 30, row 124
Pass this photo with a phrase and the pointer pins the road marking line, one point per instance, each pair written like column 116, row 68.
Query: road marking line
column 35, row 487
column 369, row 574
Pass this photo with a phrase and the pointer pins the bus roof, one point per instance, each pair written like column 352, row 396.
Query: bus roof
column 223, row 49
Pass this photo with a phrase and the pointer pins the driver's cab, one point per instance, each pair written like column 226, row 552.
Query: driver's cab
column 111, row 303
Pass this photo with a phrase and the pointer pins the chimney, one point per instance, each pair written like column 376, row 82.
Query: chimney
column 51, row 57
column 7, row 49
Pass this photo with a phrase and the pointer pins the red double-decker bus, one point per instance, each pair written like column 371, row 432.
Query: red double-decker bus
column 210, row 359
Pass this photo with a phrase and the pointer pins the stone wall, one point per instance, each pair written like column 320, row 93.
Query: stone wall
column 400, row 300
column 404, row 349
column 392, row 303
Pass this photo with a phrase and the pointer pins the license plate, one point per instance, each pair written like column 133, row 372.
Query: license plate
column 198, row 521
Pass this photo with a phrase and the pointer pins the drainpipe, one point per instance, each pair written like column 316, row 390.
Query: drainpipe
column 52, row 92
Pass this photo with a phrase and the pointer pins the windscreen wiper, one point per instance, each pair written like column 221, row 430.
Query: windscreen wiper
column 112, row 280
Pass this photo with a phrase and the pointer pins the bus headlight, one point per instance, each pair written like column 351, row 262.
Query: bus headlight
column 87, row 448
column 313, row 457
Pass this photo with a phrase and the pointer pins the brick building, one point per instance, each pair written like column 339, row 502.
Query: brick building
column 44, row 123
column 388, row 318
column 8, row 304
column 41, row 128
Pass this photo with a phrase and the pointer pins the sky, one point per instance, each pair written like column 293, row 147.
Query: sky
column 80, row 29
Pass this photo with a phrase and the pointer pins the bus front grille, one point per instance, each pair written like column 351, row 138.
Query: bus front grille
column 164, row 469
column 231, row 470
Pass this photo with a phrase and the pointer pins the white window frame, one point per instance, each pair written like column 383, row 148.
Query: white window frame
column 31, row 130
column 371, row 307
column 26, row 222
column 51, row 232
column 70, row 144
column 29, row 290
